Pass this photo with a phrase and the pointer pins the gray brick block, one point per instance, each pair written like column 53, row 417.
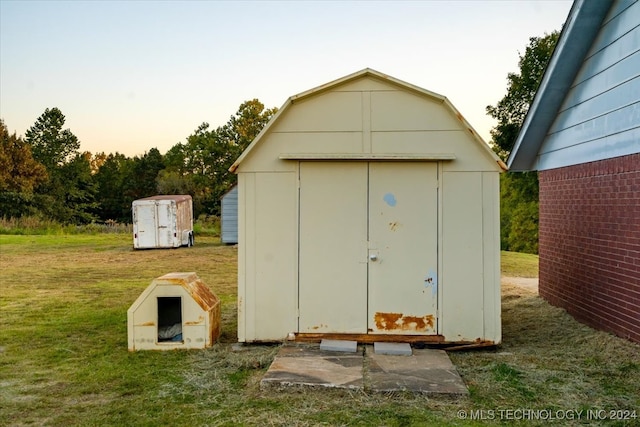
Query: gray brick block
column 339, row 345
column 392, row 348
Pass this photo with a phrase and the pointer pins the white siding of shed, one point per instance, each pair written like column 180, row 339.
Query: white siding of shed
column 379, row 130
column 355, row 118
column 229, row 216
column 267, row 267
column 600, row 117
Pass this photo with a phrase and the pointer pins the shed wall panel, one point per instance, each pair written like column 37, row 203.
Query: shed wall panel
column 403, row 111
column 246, row 256
column 462, row 252
column 276, row 246
column 469, row 156
column 270, row 288
column 317, row 142
column 491, row 255
column 332, row 112
column 265, row 158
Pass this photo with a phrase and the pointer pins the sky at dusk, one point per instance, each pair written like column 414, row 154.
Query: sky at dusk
column 133, row 75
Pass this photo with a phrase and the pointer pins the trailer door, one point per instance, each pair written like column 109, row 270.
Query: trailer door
column 145, row 219
column 166, row 223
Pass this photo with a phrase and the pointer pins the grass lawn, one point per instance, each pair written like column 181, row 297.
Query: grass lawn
column 515, row 264
column 64, row 358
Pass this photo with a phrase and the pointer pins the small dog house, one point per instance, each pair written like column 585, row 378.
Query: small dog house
column 176, row 311
column 368, row 209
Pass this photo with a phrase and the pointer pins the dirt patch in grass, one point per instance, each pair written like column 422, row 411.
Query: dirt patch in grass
column 526, row 283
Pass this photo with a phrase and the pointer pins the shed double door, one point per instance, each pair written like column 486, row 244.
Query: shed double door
column 368, row 247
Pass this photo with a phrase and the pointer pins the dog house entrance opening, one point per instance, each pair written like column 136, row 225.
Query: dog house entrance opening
column 170, row 319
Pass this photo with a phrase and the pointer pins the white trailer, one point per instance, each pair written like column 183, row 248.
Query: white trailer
column 162, row 222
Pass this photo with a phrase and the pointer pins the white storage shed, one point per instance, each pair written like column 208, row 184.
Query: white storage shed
column 369, row 210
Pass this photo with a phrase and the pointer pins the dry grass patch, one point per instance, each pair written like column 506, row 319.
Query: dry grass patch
column 64, row 358
column 550, row 361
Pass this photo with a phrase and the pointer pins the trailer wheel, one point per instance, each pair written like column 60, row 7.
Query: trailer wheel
column 191, row 240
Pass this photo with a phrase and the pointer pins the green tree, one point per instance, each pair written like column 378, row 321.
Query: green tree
column 172, row 182
column 51, row 145
column 177, row 178
column 519, row 191
column 79, row 190
column 233, row 138
column 201, row 164
column 20, row 173
column 245, row 125
column 95, row 160
column 109, row 179
column 68, row 196
column 512, row 109
column 140, row 174
column 189, row 168
column 519, row 212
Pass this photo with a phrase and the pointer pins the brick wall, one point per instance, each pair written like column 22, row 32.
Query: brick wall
column 590, row 243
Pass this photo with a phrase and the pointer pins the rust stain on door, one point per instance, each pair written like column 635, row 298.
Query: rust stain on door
column 400, row 322
column 393, row 226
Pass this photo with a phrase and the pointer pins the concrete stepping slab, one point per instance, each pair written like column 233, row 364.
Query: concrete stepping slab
column 310, row 366
column 339, row 345
column 426, row 371
column 392, row 348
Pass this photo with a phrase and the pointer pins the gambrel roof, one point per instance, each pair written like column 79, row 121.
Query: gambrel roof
column 367, row 72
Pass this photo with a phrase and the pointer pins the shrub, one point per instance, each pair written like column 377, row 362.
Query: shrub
column 207, row 225
column 38, row 225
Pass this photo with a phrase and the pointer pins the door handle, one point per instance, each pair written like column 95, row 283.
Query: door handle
column 373, row 257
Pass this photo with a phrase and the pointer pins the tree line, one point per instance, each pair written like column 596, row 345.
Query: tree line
column 45, row 175
column 519, row 190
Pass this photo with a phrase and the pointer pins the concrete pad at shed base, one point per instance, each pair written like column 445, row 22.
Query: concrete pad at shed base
column 312, row 367
column 392, row 348
column 426, row 371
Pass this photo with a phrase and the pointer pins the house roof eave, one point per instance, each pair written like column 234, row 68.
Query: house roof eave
column 578, row 33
